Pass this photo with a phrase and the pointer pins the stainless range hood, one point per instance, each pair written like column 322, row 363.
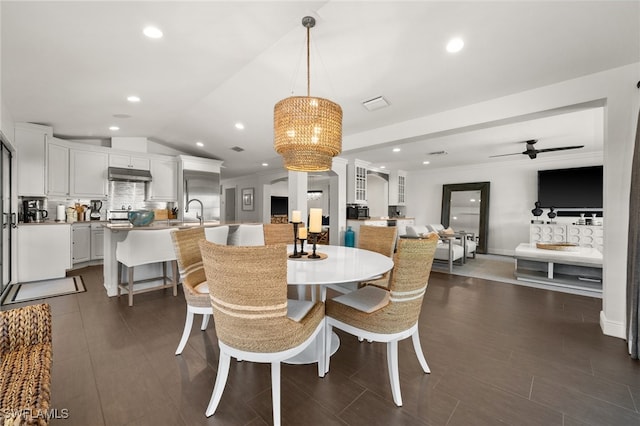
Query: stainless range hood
column 129, row 175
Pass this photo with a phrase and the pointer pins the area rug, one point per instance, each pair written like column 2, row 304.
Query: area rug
column 44, row 289
column 486, row 266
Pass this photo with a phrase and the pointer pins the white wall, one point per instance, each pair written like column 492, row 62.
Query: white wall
column 258, row 182
column 513, row 191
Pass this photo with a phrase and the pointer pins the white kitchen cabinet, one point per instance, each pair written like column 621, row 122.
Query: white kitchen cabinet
column 97, row 241
column 81, row 242
column 164, row 183
column 357, row 182
column 129, row 161
column 57, row 168
column 397, row 185
column 31, row 143
column 88, row 178
column 43, row 251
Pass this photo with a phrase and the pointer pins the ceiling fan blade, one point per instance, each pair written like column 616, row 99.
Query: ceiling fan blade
column 504, row 155
column 562, row 148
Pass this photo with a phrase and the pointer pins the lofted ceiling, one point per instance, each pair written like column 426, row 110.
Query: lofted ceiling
column 72, row 64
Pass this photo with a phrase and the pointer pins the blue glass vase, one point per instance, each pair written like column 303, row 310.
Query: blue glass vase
column 349, row 237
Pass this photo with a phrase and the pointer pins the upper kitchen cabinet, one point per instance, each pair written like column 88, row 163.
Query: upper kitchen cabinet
column 137, row 162
column 397, row 185
column 31, row 143
column 164, row 179
column 57, row 168
column 88, row 178
column 357, row 182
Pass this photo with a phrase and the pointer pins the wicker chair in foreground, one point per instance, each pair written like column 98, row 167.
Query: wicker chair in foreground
column 388, row 316
column 25, row 369
column 278, row 233
column 194, row 285
column 248, row 290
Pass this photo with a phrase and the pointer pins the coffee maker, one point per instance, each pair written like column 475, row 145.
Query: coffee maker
column 33, row 211
column 95, row 207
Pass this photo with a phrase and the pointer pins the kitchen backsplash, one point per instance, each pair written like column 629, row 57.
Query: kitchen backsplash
column 125, row 194
column 121, row 194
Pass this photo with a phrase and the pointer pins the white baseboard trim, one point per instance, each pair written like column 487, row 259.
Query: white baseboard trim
column 612, row 328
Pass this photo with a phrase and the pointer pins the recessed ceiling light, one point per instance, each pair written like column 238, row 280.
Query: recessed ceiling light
column 425, row 162
column 152, row 32
column 200, row 144
column 239, row 126
column 396, row 150
column 383, row 167
column 455, row 45
column 265, row 164
column 473, row 200
column 114, row 128
column 133, row 99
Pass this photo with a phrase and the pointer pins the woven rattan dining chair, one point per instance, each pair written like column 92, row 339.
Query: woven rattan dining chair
column 388, row 316
column 196, row 291
column 381, row 239
column 278, row 233
column 248, row 290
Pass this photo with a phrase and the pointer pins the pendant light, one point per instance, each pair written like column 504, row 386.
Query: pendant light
column 307, row 130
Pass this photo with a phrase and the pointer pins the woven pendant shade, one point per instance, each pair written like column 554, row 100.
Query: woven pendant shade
column 307, row 131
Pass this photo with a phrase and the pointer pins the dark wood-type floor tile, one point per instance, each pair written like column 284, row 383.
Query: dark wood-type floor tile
column 500, row 354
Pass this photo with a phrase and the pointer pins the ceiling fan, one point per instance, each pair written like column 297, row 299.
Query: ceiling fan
column 532, row 152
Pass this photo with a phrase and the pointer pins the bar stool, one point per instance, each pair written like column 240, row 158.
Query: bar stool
column 144, row 247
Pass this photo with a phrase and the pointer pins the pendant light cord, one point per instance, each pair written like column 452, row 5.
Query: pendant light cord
column 308, row 61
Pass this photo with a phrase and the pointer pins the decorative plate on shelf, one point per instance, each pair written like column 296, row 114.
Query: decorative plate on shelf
column 558, row 246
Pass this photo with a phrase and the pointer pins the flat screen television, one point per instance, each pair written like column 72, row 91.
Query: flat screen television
column 577, row 188
column 279, row 205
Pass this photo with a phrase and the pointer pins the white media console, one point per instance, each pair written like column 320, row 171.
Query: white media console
column 578, row 271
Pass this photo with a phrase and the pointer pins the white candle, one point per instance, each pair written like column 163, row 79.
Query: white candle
column 296, row 216
column 302, row 233
column 315, row 220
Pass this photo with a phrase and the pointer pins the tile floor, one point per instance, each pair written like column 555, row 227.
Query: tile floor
column 499, row 354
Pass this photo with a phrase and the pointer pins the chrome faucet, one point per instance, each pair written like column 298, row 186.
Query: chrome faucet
column 201, row 217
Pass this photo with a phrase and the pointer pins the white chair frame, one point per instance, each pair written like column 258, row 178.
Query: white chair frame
column 218, row 235
column 392, row 349
column 274, row 358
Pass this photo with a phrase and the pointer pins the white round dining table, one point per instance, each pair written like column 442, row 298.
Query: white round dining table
column 342, row 265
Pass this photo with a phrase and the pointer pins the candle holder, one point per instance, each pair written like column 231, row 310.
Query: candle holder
column 302, row 252
column 295, row 254
column 314, row 238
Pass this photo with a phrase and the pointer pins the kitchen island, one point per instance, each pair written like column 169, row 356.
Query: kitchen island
column 116, row 232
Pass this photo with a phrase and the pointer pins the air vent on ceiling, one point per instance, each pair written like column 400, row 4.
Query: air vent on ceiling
column 375, row 103
column 437, row 153
column 237, row 149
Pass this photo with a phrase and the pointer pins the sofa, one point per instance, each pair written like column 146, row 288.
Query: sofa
column 442, row 249
column 25, row 365
column 471, row 245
